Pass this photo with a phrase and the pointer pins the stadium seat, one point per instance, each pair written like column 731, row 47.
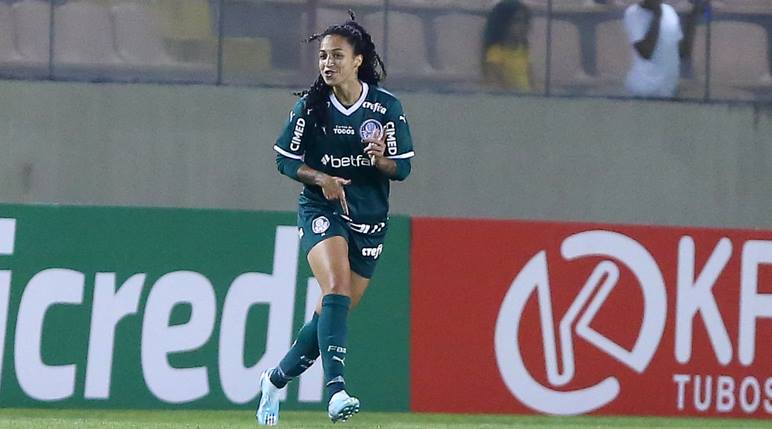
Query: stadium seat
column 353, row 4
column 141, row 48
column 406, row 45
column 7, row 45
column 32, row 20
column 479, row 6
column 443, row 5
column 613, row 53
column 84, row 34
column 185, row 19
column 327, row 16
column 459, row 44
column 248, row 60
column 566, row 65
column 138, row 35
column 566, row 5
column 735, row 73
column 187, row 30
column 730, row 64
column 748, row 6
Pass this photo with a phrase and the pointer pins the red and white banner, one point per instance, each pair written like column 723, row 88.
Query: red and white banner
column 569, row 318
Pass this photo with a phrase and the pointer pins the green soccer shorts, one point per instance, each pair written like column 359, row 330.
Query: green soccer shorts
column 365, row 242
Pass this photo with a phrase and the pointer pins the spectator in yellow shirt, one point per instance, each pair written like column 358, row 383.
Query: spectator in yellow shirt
column 505, row 62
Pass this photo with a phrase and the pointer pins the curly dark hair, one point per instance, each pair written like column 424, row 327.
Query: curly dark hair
column 498, row 22
column 318, row 94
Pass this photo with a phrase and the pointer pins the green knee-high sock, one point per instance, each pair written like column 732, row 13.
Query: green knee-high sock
column 333, row 330
column 300, row 356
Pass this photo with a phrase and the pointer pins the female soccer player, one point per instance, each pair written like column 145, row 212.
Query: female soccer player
column 346, row 138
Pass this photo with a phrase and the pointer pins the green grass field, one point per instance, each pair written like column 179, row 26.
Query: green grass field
column 85, row 419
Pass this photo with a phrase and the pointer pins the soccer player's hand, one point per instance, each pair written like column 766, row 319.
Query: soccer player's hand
column 332, row 188
column 375, row 148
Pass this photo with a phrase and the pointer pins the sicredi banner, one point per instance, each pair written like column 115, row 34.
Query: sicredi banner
column 567, row 318
column 154, row 308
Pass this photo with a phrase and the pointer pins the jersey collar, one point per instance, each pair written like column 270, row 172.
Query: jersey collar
column 354, row 106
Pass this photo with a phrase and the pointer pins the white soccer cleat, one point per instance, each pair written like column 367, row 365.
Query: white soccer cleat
column 268, row 408
column 342, row 407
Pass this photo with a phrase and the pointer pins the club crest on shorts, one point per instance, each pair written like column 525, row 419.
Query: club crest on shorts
column 371, row 129
column 320, row 225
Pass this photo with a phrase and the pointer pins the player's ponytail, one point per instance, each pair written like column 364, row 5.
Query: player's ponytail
column 318, row 94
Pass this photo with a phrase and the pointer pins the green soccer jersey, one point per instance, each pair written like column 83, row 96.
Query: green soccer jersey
column 338, row 151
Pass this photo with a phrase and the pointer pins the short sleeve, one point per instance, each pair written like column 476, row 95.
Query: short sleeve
column 399, row 143
column 636, row 23
column 494, row 55
column 292, row 141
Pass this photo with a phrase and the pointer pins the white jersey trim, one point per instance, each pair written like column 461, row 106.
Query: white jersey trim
column 287, row 154
column 405, row 155
column 355, row 106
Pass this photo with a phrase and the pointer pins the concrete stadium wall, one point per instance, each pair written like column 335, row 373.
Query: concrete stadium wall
column 477, row 155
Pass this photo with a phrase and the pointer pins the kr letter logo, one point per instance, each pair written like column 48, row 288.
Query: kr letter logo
column 534, row 278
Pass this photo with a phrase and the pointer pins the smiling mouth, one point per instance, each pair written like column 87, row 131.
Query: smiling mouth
column 328, row 73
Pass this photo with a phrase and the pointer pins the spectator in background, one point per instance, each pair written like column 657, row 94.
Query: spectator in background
column 658, row 43
column 505, row 62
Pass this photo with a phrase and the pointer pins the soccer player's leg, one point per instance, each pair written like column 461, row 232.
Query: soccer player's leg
column 364, row 251
column 330, row 265
column 313, row 227
column 268, row 406
column 300, row 357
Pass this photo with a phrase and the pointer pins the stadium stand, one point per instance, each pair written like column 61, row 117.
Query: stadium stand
column 613, row 51
column 427, row 43
column 7, row 46
column 262, row 42
column 406, row 46
column 84, row 44
column 735, row 72
column 567, row 74
column 29, row 28
column 137, row 34
column 141, row 47
column 459, row 41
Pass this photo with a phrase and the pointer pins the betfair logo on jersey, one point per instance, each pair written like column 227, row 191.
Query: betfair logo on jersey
column 377, row 107
column 391, row 138
column 375, row 252
column 346, row 161
column 345, row 130
column 297, row 134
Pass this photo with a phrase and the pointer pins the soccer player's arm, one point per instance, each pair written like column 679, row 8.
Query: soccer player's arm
column 399, row 143
column 290, row 150
column 290, row 146
column 643, row 37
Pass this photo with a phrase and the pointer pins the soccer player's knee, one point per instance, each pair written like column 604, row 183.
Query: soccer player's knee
column 340, row 288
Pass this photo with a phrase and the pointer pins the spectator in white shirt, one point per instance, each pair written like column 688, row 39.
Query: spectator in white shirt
column 658, row 44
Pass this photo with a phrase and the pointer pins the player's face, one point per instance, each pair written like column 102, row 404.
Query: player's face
column 337, row 63
column 518, row 28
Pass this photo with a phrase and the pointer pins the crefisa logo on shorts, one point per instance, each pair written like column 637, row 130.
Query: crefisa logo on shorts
column 320, row 225
column 374, row 252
